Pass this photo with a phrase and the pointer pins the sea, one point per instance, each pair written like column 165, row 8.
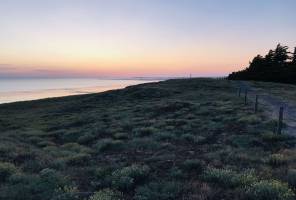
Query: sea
column 24, row 89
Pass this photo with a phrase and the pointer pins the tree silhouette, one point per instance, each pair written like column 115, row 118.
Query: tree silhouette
column 257, row 61
column 269, row 58
column 294, row 56
column 276, row 66
column 281, row 54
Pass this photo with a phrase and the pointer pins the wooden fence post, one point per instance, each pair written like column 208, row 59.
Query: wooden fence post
column 280, row 122
column 246, row 96
column 256, row 103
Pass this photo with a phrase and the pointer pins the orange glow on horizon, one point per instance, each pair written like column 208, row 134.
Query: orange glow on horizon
column 85, row 61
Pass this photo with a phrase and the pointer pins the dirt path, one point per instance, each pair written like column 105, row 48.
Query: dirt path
column 274, row 103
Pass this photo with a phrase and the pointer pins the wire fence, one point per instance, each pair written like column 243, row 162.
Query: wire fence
column 259, row 102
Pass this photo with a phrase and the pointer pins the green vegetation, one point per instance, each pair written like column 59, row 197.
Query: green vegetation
column 228, row 178
column 106, row 194
column 126, row 178
column 176, row 139
column 193, row 165
column 161, row 191
column 6, row 170
column 291, row 176
column 272, row 190
column 277, row 160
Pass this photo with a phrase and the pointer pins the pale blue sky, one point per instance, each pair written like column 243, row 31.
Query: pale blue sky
column 139, row 37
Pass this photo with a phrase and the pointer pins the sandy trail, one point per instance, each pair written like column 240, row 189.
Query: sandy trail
column 274, row 103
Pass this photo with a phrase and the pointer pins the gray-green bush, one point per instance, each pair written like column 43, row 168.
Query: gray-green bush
column 126, row 178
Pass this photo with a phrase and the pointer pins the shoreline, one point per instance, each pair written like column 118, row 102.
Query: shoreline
column 45, row 94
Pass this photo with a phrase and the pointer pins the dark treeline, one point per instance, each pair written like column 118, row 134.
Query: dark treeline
column 278, row 65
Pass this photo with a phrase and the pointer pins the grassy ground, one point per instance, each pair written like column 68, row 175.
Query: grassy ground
column 177, row 139
column 282, row 91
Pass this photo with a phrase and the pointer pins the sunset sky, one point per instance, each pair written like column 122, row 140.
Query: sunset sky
column 127, row 38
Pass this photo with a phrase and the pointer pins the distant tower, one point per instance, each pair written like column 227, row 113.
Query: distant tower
column 190, row 76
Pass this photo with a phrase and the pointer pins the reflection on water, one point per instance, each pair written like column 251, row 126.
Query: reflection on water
column 12, row 90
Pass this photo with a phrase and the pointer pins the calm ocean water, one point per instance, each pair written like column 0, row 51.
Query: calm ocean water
column 12, row 90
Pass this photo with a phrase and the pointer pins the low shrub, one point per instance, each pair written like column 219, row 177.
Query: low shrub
column 175, row 172
column 250, row 119
column 71, row 135
column 109, row 145
column 187, row 137
column 52, row 178
column 58, row 164
column 6, row 170
column 144, row 144
column 106, row 194
column 277, row 160
column 271, row 137
column 192, row 138
column 247, row 178
column 79, row 159
column 271, row 190
column 102, row 177
column 25, row 154
column 66, row 193
column 165, row 136
column 35, row 139
column 48, row 185
column 223, row 177
column 177, row 122
column 86, row 138
column 21, row 187
column 171, row 107
column 145, row 131
column 242, row 141
column 228, row 178
column 159, row 191
column 120, row 136
column 8, row 150
column 75, row 147
column 193, row 165
column 45, row 143
column 291, row 177
column 33, row 165
column 126, row 178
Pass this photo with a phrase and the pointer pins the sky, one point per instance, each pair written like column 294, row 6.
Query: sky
column 128, row 38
